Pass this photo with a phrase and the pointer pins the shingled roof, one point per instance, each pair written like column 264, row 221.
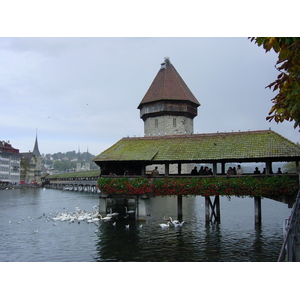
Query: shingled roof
column 210, row 147
column 168, row 85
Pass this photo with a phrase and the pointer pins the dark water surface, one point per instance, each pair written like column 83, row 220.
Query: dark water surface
column 29, row 234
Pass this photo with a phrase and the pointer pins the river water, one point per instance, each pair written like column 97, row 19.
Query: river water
column 29, row 234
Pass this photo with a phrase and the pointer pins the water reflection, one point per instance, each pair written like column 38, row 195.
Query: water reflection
column 235, row 239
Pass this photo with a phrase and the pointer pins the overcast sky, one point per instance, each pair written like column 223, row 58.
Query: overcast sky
column 84, row 92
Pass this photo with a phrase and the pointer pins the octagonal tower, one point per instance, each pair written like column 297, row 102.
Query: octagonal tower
column 168, row 107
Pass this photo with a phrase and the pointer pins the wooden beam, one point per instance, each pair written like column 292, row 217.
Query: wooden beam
column 179, row 207
column 167, row 169
column 217, row 206
column 212, row 210
column 257, row 210
column 214, row 168
column 207, row 206
column 223, row 171
column 179, row 168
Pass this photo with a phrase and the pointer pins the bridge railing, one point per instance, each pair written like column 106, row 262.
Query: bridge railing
column 290, row 250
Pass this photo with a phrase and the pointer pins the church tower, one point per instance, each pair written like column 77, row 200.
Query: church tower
column 168, row 107
column 31, row 165
column 36, row 150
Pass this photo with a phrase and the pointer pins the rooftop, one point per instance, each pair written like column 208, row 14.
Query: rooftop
column 210, row 147
column 168, row 85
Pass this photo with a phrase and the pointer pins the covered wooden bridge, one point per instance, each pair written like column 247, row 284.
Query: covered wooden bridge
column 132, row 155
column 135, row 153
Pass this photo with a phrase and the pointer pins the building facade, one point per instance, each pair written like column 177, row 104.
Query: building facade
column 31, row 165
column 9, row 164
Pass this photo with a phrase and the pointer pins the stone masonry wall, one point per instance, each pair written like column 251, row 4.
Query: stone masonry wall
column 168, row 125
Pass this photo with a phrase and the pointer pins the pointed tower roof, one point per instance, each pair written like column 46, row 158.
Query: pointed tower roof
column 36, row 151
column 168, row 85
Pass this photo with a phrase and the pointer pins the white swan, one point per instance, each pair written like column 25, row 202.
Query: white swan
column 93, row 220
column 127, row 226
column 105, row 219
column 163, row 225
column 176, row 223
column 129, row 211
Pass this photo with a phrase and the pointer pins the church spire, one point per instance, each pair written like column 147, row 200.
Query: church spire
column 36, row 151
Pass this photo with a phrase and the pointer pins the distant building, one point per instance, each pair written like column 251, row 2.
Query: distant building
column 31, row 164
column 83, row 162
column 9, row 163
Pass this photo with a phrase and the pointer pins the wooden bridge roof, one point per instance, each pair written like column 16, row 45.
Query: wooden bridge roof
column 168, row 85
column 231, row 146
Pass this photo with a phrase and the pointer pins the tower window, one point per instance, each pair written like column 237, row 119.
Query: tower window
column 174, row 122
column 156, row 123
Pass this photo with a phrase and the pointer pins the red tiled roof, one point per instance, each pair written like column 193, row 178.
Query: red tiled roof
column 168, row 85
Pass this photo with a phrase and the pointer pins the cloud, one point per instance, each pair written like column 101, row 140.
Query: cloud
column 85, row 91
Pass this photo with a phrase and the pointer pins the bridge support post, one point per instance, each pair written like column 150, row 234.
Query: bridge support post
column 179, row 207
column 167, row 169
column 179, row 168
column 257, row 210
column 223, row 171
column 212, row 210
column 141, row 209
column 215, row 168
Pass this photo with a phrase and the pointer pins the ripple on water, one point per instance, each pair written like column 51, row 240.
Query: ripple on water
column 30, row 236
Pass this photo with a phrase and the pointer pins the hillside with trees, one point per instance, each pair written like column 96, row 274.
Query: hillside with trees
column 67, row 162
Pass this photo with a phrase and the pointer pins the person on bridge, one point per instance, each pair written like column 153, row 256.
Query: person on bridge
column 239, row 170
column 230, row 171
column 194, row 171
column 256, row 171
column 155, row 172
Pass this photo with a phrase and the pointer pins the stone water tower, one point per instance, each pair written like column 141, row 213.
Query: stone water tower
column 168, row 107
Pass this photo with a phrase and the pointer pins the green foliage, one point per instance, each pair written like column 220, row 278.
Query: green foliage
column 64, row 165
column 289, row 167
column 286, row 104
column 67, row 161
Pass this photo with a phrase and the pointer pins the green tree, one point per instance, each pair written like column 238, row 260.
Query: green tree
column 289, row 167
column 286, row 104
